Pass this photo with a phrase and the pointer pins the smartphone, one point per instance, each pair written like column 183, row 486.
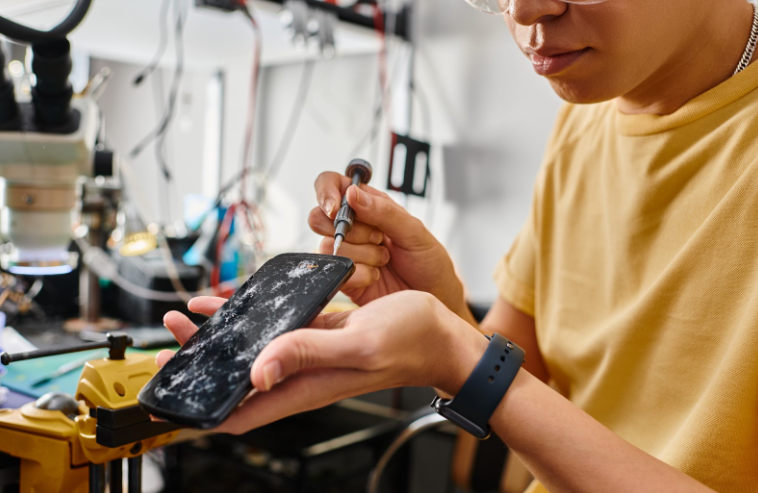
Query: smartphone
column 210, row 375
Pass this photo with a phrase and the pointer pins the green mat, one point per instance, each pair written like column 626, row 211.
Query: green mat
column 23, row 374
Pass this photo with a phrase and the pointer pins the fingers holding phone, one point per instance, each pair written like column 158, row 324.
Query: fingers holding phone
column 206, row 305
column 404, row 339
column 209, row 376
column 182, row 327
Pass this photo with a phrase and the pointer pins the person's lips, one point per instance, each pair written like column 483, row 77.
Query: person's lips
column 550, row 61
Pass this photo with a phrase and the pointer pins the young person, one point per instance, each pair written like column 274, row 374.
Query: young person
column 633, row 286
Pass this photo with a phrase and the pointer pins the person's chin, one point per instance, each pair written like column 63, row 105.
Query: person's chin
column 578, row 91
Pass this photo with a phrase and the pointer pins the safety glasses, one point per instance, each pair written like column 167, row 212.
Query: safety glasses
column 502, row 6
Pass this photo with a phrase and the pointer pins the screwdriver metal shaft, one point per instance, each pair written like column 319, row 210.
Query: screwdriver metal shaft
column 343, row 223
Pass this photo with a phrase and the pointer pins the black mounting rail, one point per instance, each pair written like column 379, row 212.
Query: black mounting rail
column 349, row 15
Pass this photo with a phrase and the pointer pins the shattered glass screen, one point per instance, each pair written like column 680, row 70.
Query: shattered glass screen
column 216, row 361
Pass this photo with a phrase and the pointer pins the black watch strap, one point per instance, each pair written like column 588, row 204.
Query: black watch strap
column 483, row 390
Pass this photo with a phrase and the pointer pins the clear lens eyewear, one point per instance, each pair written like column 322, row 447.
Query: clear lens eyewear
column 502, row 6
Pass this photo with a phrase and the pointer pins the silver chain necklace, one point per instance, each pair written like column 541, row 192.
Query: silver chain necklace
column 751, row 42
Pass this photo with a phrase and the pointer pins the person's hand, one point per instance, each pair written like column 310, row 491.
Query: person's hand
column 393, row 251
column 403, row 339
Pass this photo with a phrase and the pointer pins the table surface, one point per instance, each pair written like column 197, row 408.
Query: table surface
column 21, row 375
column 15, row 400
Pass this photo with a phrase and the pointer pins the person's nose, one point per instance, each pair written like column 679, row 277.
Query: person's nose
column 530, row 12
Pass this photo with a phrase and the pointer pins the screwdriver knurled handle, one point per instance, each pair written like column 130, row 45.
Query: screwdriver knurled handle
column 346, row 214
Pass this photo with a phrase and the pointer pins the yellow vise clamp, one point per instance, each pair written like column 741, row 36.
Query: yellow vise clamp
column 60, row 453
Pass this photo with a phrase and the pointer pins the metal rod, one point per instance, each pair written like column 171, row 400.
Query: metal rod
column 431, row 420
column 89, row 282
column 116, row 342
column 89, row 286
column 116, row 472
column 135, row 474
column 7, row 358
column 96, row 478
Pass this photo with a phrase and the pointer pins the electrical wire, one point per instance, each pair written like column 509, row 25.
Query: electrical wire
column 382, row 57
column 171, row 270
column 276, row 163
column 105, row 267
column 162, row 45
column 384, row 104
column 162, row 127
column 129, row 181
column 252, row 99
column 20, row 32
column 249, row 210
column 164, row 199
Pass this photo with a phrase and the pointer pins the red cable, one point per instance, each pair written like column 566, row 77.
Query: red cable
column 248, row 209
column 379, row 27
column 250, row 124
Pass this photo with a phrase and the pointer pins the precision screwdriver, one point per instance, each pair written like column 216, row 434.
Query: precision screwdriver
column 359, row 171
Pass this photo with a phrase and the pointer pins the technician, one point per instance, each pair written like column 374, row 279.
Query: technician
column 632, row 287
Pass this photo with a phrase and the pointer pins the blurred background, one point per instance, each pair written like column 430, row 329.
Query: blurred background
column 198, row 129
column 476, row 101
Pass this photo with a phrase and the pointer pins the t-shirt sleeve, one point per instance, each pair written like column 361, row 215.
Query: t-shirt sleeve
column 515, row 273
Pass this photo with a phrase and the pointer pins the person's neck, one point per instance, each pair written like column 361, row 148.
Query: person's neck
column 709, row 60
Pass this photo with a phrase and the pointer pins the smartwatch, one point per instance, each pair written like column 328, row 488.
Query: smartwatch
column 483, row 390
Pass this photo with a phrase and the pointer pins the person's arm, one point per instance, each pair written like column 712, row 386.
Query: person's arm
column 561, row 445
column 519, row 327
column 411, row 339
column 568, row 451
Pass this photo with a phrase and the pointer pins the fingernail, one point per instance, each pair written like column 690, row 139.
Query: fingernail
column 362, row 197
column 376, row 274
column 329, row 207
column 272, row 372
column 376, row 237
column 385, row 256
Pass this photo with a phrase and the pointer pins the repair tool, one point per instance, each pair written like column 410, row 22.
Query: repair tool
column 359, row 170
column 63, row 443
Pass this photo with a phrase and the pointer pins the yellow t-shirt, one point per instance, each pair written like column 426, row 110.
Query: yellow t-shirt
column 639, row 263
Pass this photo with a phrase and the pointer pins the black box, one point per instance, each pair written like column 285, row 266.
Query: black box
column 149, row 271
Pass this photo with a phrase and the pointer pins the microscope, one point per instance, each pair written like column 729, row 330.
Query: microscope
column 46, row 144
column 63, row 443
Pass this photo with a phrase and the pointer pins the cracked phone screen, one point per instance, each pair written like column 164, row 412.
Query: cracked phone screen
column 211, row 368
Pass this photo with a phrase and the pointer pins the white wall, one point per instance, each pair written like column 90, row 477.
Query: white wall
column 490, row 115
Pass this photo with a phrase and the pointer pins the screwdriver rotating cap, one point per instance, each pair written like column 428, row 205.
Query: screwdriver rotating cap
column 359, row 165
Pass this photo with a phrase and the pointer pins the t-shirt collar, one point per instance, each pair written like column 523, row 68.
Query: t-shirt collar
column 710, row 101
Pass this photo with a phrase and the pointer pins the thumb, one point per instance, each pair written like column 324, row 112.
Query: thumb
column 304, row 349
column 388, row 216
